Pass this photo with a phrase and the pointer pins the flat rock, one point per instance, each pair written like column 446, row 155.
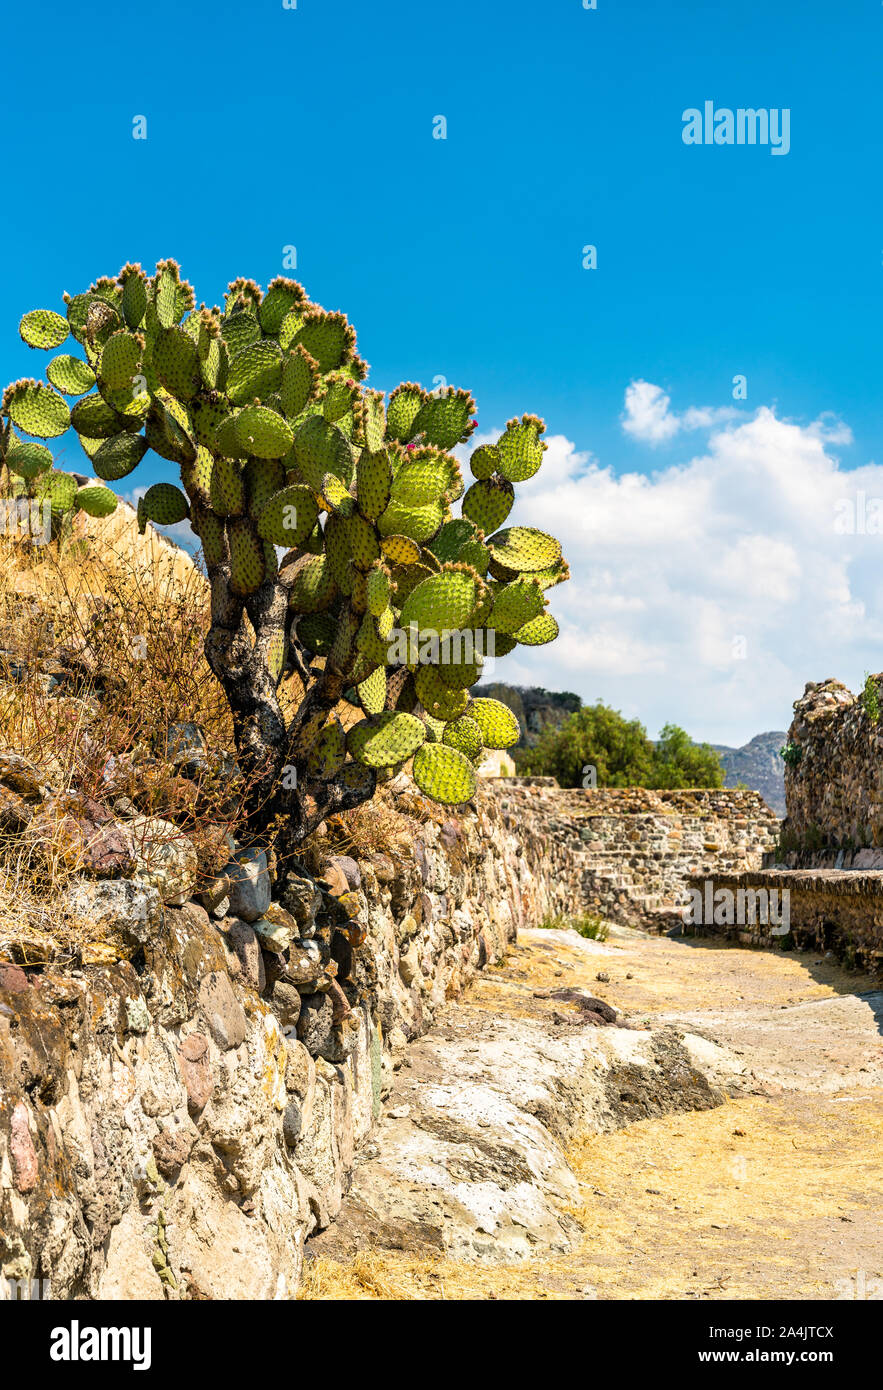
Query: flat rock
column 249, row 890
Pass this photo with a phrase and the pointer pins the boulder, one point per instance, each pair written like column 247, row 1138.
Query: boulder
column 341, row 874
column 276, row 928
column 302, row 898
column 15, row 813
column 314, row 1027
column 249, row 891
column 122, row 912
column 21, row 776
column 83, row 835
column 165, row 858
column 287, row 1002
column 223, row 1011
column 246, row 947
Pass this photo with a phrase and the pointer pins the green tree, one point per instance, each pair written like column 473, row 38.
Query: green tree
column 679, row 762
column 595, row 736
column 621, row 753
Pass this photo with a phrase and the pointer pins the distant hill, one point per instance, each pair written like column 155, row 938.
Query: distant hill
column 757, row 764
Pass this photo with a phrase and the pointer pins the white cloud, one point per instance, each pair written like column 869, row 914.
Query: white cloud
column 648, row 415
column 674, row 575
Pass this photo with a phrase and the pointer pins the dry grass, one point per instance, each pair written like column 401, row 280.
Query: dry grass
column 120, row 620
column 389, row 1276
column 122, row 630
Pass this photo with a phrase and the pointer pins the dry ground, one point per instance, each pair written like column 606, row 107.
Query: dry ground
column 776, row 1194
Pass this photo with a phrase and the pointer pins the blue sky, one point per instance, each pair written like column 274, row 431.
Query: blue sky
column 462, row 258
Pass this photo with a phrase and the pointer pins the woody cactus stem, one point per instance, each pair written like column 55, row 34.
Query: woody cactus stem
column 262, row 408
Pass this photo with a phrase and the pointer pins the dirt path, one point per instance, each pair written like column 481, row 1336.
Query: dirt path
column 777, row 1193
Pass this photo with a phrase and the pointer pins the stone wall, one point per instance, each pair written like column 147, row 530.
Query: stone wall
column 632, row 850
column 834, row 781
column 180, row 1098
column 827, row 909
column 185, row 1084
column 829, row 860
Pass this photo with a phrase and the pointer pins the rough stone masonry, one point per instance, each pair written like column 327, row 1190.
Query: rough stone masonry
column 183, row 1092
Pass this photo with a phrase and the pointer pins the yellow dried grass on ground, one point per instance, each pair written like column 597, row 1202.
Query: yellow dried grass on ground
column 771, row 1195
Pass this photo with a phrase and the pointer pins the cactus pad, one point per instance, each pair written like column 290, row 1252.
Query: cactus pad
column 36, row 409
column 385, row 739
column 263, row 432
column 425, row 477
column 400, row 550
column 212, row 534
column 328, row 338
column 403, row 409
column 119, row 361
column 27, row 458
column 227, row 488
column 320, row 448
column 444, row 774
column 373, row 480
column 316, row 632
column 445, row 600
column 485, row 461
column 134, row 297
column 438, row 699
column 523, row 548
column 163, row 504
column 464, row 735
column 247, row 560
column 498, row 725
column 377, row 590
column 446, row 419
column 239, row 330
column 521, row 449
column 420, row 523
column 43, row 328
column 176, row 363
column 282, row 296
column 488, row 502
column 96, row 501
column 372, row 691
column 255, row 371
column 538, row 631
column 300, row 374
column 289, row 516
column 327, row 753
column 312, row 586
column 70, row 375
column 373, row 420
column 516, row 604
column 58, row 488
column 119, row 456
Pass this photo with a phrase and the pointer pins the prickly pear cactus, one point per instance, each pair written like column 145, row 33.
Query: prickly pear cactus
column 384, row 597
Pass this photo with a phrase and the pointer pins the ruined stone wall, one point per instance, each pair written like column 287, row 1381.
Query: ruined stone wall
column 827, row 909
column 185, row 1082
column 181, row 1098
column 632, row 850
column 834, row 781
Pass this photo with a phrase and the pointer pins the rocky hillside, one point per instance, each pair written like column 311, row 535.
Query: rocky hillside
column 534, row 708
column 757, row 764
